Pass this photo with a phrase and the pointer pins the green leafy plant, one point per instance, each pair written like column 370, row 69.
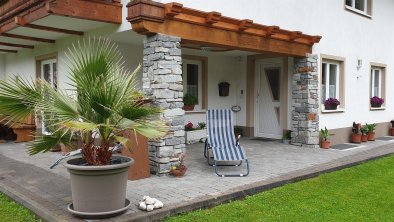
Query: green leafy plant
column 201, row 125
column 189, row 99
column 364, row 130
column 101, row 107
column 324, row 134
column 287, row 135
column 371, row 127
column 238, row 131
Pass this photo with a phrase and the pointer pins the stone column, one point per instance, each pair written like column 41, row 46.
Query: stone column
column 305, row 102
column 162, row 81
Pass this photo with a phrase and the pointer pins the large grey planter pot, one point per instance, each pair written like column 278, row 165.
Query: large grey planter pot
column 98, row 191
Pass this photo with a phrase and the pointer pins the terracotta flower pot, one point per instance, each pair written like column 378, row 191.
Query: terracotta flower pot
column 179, row 172
column 325, row 144
column 356, row 138
column 188, row 107
column 371, row 136
column 364, row 138
column 392, row 131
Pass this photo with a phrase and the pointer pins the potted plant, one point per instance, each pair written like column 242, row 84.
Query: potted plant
column 324, row 134
column 364, row 136
column 371, row 131
column 238, row 131
column 195, row 134
column 356, row 133
column 286, row 138
column 179, row 170
column 189, row 101
column 376, row 102
column 331, row 104
column 102, row 104
column 392, row 128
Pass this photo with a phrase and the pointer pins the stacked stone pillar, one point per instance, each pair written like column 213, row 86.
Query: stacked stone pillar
column 162, row 81
column 305, row 102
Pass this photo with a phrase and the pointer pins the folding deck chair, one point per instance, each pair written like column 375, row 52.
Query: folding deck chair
column 222, row 142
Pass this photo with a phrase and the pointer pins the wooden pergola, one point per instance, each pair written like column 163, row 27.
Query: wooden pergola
column 18, row 18
column 214, row 29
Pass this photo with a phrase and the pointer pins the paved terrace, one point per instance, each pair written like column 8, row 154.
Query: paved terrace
column 29, row 180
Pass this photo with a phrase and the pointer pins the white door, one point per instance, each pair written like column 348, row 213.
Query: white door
column 268, row 121
column 49, row 74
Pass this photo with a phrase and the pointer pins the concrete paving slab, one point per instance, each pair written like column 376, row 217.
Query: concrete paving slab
column 29, row 180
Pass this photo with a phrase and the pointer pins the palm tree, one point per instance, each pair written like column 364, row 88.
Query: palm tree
column 101, row 107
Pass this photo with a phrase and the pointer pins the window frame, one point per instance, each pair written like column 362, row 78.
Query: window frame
column 327, row 80
column 340, row 88
column 367, row 8
column 382, row 85
column 203, row 89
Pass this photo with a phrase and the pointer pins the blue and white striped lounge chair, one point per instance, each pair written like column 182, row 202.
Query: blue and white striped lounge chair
column 221, row 140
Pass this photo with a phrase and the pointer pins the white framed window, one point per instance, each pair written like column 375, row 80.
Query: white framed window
column 330, row 80
column 361, row 6
column 376, row 82
column 192, row 80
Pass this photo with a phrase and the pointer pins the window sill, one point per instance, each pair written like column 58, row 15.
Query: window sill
column 377, row 108
column 333, row 111
column 358, row 11
column 201, row 111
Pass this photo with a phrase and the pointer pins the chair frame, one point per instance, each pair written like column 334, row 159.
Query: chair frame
column 216, row 163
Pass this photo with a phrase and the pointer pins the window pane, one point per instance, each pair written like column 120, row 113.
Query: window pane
column 323, row 82
column 376, row 83
column 360, row 5
column 333, row 81
column 54, row 75
column 273, row 81
column 192, row 80
column 47, row 73
column 349, row 2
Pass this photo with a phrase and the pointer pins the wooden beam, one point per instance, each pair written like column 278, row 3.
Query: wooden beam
column 245, row 24
column 7, row 50
column 213, row 17
column 19, row 20
column 173, row 9
column 103, row 11
column 16, row 45
column 9, row 35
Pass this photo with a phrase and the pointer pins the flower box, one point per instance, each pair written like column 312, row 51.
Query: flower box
column 195, row 136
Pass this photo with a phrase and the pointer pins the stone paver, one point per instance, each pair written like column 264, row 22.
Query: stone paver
column 29, row 180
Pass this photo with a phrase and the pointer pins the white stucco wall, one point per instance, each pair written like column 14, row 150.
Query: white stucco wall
column 231, row 69
column 345, row 34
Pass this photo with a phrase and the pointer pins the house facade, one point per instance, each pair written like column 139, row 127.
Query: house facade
column 281, row 59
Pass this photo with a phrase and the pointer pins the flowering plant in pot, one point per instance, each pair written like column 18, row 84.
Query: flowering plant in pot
column 376, row 101
column 324, row 134
column 100, row 107
column 356, row 133
column 364, row 131
column 179, row 170
column 331, row 104
column 371, row 131
column 392, row 128
column 189, row 101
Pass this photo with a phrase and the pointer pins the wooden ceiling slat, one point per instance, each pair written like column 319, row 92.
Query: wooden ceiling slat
column 9, row 35
column 16, row 45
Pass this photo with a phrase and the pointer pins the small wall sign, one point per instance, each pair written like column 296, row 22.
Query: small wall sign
column 236, row 109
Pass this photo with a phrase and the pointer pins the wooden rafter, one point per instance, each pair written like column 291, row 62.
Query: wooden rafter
column 9, row 51
column 30, row 11
column 9, row 35
column 213, row 29
column 16, row 45
column 21, row 22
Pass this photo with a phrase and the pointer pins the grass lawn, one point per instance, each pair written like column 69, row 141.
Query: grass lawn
column 14, row 212
column 361, row 193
